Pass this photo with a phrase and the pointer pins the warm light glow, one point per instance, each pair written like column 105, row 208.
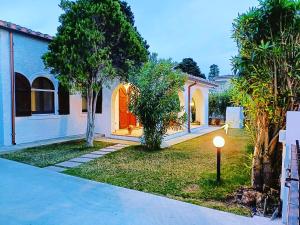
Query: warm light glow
column 127, row 86
column 219, row 142
column 192, row 103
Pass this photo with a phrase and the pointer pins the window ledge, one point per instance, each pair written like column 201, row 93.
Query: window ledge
column 44, row 117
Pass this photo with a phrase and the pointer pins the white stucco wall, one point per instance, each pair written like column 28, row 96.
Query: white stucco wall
column 200, row 95
column 28, row 52
column 5, row 90
column 235, row 117
column 292, row 127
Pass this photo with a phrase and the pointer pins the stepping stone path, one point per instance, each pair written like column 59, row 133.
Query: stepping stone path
column 60, row 167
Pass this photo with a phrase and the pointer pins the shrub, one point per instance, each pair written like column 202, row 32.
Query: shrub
column 154, row 99
column 218, row 102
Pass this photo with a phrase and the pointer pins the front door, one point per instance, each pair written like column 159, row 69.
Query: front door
column 126, row 118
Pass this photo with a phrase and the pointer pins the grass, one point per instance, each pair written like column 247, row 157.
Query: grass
column 51, row 154
column 185, row 172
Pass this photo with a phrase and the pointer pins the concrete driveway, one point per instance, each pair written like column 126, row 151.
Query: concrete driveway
column 33, row 196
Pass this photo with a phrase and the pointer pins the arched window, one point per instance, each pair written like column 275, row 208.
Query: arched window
column 63, row 100
column 42, row 96
column 98, row 105
column 22, row 95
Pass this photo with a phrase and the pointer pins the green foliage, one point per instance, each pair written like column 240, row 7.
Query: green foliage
column 213, row 72
column 89, row 52
column 49, row 155
column 186, row 172
column 268, row 65
column 218, row 102
column 126, row 9
column 155, row 100
column 189, row 66
column 94, row 44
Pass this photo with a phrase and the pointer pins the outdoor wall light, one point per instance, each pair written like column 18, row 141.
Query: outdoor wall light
column 218, row 142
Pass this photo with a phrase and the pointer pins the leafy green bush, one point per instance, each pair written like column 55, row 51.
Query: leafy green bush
column 218, row 102
column 154, row 99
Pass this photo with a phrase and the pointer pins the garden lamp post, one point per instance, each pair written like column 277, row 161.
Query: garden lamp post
column 219, row 142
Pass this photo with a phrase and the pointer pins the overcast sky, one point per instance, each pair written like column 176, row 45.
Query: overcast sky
column 200, row 29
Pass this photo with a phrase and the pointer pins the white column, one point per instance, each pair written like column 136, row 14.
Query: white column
column 186, row 104
column 5, row 90
column 205, row 93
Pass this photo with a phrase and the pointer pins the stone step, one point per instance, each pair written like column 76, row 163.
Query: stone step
column 68, row 164
column 108, row 150
column 55, row 168
column 59, row 167
column 91, row 156
column 81, row 160
column 100, row 152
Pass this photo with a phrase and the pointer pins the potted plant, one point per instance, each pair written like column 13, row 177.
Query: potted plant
column 130, row 129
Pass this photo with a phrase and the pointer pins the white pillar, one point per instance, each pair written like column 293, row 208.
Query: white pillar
column 205, row 106
column 5, row 90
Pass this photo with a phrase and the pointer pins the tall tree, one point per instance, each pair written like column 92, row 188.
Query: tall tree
column 268, row 64
column 95, row 43
column 213, row 72
column 126, row 9
column 189, row 66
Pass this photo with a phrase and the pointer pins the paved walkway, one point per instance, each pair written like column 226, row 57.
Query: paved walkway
column 30, row 195
column 188, row 136
column 18, row 147
column 59, row 167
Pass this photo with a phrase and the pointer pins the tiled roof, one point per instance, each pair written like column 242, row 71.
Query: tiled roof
column 201, row 80
column 16, row 28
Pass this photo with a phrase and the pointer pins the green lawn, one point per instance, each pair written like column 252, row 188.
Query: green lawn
column 186, row 171
column 51, row 154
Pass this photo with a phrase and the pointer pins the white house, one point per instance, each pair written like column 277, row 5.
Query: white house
column 34, row 107
column 223, row 82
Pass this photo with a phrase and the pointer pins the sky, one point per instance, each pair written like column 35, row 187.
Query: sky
column 177, row 29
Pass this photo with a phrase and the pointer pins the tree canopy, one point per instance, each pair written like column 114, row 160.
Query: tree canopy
column 213, row 72
column 126, row 9
column 189, row 66
column 94, row 44
column 268, row 65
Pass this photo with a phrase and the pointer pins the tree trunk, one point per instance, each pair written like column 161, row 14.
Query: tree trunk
column 256, row 175
column 267, row 171
column 261, row 149
column 91, row 111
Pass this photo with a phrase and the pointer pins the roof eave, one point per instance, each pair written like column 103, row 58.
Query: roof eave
column 202, row 81
column 11, row 27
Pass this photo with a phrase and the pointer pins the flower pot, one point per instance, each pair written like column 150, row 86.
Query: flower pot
column 130, row 129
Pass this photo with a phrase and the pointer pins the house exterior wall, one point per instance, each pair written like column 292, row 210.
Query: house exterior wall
column 201, row 96
column 27, row 61
column 5, row 89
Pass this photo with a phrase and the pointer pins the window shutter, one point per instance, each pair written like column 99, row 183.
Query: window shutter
column 84, row 103
column 63, row 100
column 99, row 102
column 22, row 96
